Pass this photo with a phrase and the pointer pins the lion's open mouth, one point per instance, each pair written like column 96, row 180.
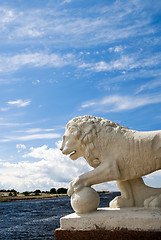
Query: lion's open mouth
column 72, row 153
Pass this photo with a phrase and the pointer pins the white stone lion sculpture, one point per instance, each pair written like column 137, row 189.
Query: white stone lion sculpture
column 115, row 153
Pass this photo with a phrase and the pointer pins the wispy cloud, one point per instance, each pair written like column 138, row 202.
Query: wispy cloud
column 123, row 62
column 113, row 82
column 20, row 147
column 67, row 1
column 36, row 82
column 36, row 130
column 66, row 28
column 6, row 16
column 98, row 24
column 31, row 137
column 150, row 85
column 116, row 103
column 10, row 63
column 4, row 122
column 4, row 109
column 13, row 124
column 19, row 103
column 86, row 48
column 5, row 80
column 116, row 49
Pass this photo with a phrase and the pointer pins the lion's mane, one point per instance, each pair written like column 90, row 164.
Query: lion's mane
column 88, row 128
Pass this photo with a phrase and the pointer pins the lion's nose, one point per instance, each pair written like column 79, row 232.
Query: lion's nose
column 61, row 149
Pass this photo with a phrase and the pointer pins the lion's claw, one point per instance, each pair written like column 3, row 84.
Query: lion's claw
column 70, row 192
column 75, row 186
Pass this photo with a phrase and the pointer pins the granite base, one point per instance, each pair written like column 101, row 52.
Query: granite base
column 111, row 224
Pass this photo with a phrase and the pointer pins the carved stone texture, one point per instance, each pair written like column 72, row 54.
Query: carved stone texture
column 116, row 153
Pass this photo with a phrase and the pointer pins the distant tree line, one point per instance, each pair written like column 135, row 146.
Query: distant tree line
column 52, row 191
column 37, row 192
column 12, row 192
column 9, row 190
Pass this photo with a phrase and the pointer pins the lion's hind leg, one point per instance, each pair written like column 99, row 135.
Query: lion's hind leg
column 126, row 199
column 145, row 196
column 153, row 202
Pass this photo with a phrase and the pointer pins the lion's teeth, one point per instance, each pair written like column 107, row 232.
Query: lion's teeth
column 73, row 152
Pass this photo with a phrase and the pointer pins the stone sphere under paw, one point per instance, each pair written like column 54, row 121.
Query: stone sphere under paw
column 86, row 200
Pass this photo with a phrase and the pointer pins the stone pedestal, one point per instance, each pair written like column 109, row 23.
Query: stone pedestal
column 111, row 224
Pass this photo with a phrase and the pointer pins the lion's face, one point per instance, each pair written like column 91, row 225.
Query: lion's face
column 71, row 146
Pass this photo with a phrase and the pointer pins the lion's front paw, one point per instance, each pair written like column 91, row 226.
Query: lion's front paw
column 70, row 191
column 153, row 202
column 120, row 202
column 75, row 186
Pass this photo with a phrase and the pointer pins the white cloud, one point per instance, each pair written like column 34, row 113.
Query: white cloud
column 61, row 26
column 36, row 82
column 88, row 104
column 6, row 15
column 124, row 62
column 4, row 122
column 4, row 109
column 67, row 1
column 10, row 63
column 116, row 49
column 2, row 160
column 139, row 75
column 5, row 80
column 20, row 103
column 20, row 147
column 12, row 124
column 116, row 103
column 31, row 137
column 51, row 169
column 147, row 61
column 39, row 136
column 149, row 85
column 36, row 130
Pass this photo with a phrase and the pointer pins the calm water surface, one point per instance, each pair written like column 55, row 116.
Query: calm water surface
column 37, row 219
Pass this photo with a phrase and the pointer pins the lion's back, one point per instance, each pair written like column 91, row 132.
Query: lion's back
column 140, row 153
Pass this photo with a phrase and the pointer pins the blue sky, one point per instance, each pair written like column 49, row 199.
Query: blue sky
column 66, row 58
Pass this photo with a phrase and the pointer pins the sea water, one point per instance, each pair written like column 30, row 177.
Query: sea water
column 37, row 219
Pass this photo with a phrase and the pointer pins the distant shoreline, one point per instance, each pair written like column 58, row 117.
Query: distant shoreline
column 41, row 196
column 27, row 198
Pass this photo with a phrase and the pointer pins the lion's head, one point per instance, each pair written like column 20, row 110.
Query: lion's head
column 82, row 135
column 71, row 145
